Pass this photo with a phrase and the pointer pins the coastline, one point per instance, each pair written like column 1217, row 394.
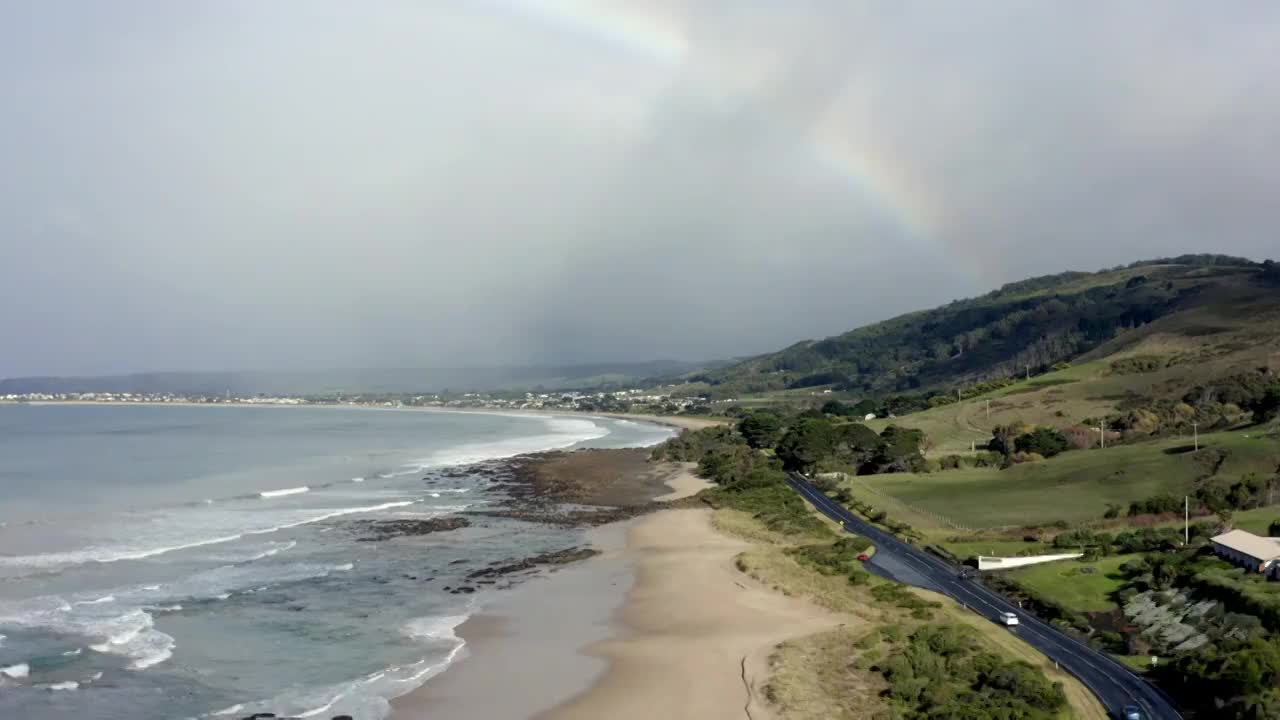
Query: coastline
column 683, row 422
column 661, row 623
column 694, row 636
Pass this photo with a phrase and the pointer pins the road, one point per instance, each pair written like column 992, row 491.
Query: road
column 1113, row 683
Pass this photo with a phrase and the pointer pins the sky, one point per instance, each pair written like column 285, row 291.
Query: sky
column 326, row 184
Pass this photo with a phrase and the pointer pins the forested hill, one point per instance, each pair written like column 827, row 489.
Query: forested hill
column 1027, row 325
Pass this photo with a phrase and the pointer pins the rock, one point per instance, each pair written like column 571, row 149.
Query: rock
column 559, row 557
column 377, row 530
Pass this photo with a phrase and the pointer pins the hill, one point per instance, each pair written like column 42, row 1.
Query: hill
column 1194, row 306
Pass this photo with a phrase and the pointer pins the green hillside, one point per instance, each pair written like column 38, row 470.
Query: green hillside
column 1077, row 486
column 1192, row 310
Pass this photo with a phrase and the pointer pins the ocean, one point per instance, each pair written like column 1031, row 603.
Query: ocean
column 162, row 562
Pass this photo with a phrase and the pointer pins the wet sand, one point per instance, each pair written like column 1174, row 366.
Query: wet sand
column 521, row 656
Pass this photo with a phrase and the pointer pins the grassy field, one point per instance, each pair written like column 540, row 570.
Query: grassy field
column 1073, row 487
column 1057, row 399
column 1081, row 586
column 1001, row 547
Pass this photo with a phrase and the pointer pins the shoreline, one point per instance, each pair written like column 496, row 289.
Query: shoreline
column 694, row 636
column 661, row 624
column 676, row 421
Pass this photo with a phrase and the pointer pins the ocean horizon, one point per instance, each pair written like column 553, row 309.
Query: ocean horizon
column 201, row 562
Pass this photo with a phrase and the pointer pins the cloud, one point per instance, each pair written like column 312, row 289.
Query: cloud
column 273, row 185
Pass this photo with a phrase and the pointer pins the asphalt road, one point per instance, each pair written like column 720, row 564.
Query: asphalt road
column 1113, row 683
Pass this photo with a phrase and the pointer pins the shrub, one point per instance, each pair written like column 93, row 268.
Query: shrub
column 1042, row 441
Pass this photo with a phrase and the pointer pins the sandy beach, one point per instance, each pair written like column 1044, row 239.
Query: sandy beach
column 662, row 625
column 696, row 633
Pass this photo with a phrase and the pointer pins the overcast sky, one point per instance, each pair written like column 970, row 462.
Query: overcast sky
column 311, row 184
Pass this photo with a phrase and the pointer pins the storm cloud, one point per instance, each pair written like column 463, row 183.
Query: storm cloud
column 318, row 184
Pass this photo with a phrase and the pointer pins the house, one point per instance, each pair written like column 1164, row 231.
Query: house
column 1258, row 554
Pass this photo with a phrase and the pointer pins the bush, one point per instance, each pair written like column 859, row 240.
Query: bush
column 1046, row 442
column 940, row 673
column 837, row 558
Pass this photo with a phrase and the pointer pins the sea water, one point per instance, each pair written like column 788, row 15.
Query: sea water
column 202, row 562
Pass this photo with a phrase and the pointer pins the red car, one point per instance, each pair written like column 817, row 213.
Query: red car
column 864, row 557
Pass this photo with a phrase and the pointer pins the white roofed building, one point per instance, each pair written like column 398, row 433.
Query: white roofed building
column 1257, row 553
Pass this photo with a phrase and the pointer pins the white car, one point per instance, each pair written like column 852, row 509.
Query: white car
column 1009, row 619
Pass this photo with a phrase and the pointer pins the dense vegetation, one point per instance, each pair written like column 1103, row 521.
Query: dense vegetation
column 1026, row 326
column 939, row 673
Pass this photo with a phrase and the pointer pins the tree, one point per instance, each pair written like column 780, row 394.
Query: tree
column 898, row 451
column 864, row 407
column 1004, row 436
column 1266, row 407
column 1042, row 441
column 761, row 429
column 807, row 443
column 834, row 407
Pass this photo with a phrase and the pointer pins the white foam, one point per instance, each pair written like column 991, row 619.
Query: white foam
column 281, row 493
column 98, row 601
column 344, row 568
column 73, row 653
column 68, row 685
column 119, row 553
column 16, row 672
column 565, row 432
column 357, row 480
column 368, row 696
column 274, row 550
column 436, row 627
column 133, row 635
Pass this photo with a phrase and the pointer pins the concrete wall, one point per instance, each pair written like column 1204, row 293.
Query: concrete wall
column 1002, row 563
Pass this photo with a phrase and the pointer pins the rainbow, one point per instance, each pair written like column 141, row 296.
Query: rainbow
column 622, row 26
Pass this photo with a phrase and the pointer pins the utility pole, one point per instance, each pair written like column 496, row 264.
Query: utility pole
column 988, row 408
column 1186, row 520
column 1195, row 434
column 1028, row 372
column 1102, row 433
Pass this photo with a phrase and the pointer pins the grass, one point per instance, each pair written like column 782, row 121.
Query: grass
column 1056, row 399
column 1070, row 585
column 811, row 679
column 1255, row 521
column 1002, row 547
column 1138, row 663
column 1074, row 487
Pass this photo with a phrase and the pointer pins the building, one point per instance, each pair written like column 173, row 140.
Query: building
column 1256, row 553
